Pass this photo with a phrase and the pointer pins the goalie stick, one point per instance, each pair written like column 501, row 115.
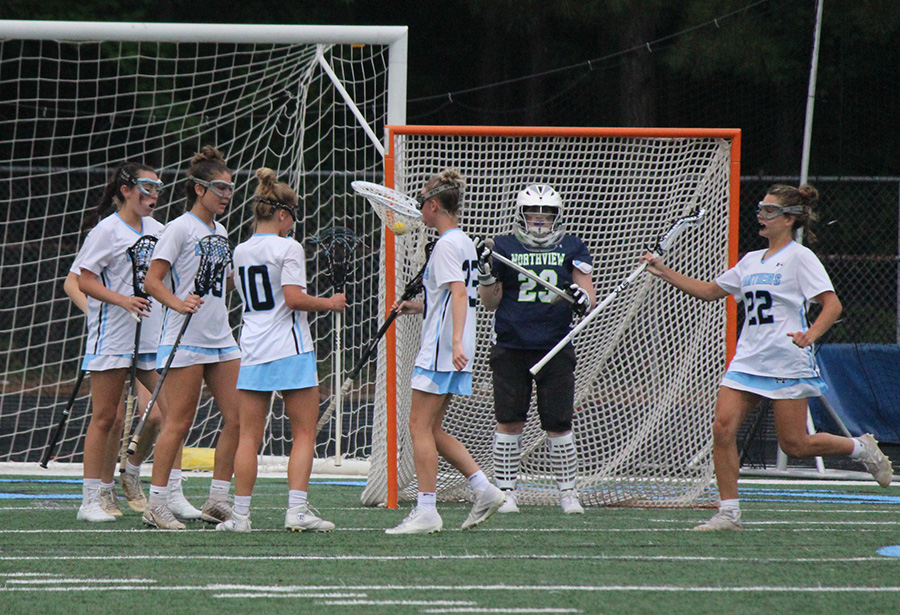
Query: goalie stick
column 338, row 243
column 139, row 254
column 413, row 288
column 662, row 245
column 215, row 256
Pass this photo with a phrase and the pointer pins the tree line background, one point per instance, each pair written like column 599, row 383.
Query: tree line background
column 672, row 63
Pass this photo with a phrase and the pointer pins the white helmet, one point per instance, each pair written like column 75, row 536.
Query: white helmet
column 539, row 199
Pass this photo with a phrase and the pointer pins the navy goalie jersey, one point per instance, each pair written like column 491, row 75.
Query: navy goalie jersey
column 526, row 318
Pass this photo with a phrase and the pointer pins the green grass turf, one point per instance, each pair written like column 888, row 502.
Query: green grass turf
column 806, row 549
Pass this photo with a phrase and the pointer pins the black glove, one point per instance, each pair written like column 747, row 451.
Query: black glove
column 582, row 302
column 485, row 272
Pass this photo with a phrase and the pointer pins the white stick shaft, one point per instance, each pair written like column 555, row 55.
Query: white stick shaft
column 338, row 402
column 537, row 367
column 528, row 274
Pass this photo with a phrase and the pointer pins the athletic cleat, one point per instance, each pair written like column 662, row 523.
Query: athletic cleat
column 108, row 502
column 725, row 519
column 215, row 511
column 301, row 519
column 876, row 462
column 134, row 493
column 486, row 504
column 161, row 517
column 181, row 508
column 568, row 500
column 419, row 521
column 510, row 504
column 237, row 523
column 92, row 512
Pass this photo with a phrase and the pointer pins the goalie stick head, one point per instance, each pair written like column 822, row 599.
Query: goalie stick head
column 139, row 254
column 539, row 210
column 215, row 256
column 396, row 210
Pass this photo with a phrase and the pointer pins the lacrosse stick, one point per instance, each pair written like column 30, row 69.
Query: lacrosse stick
column 413, row 288
column 139, row 254
column 61, row 426
column 215, row 256
column 528, row 274
column 338, row 242
column 397, row 211
column 661, row 247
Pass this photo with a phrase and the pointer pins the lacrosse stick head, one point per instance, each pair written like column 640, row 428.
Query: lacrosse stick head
column 694, row 219
column 397, row 211
column 139, row 254
column 338, row 243
column 215, row 256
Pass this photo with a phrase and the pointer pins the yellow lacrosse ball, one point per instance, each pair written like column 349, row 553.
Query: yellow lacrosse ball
column 399, row 228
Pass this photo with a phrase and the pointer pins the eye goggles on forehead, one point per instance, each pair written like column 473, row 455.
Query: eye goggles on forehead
column 219, row 187
column 770, row 211
column 421, row 198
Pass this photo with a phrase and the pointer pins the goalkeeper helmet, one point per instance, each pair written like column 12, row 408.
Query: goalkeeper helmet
column 539, row 234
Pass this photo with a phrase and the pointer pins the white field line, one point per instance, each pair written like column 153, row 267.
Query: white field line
column 468, row 557
column 496, row 610
column 73, row 581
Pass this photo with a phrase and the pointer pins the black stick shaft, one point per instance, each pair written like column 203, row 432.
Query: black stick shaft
column 61, row 426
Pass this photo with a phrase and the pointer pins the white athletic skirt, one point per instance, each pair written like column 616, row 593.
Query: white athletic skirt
column 106, row 362
column 775, row 388
column 287, row 374
column 440, row 383
column 196, row 355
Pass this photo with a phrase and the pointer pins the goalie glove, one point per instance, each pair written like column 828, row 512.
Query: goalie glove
column 582, row 302
column 485, row 272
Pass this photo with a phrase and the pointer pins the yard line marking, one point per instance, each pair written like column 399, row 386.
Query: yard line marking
column 289, row 595
column 501, row 610
column 71, row 580
column 396, row 602
column 471, row 557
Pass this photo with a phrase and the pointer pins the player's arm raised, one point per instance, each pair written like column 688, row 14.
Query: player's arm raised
column 707, row 291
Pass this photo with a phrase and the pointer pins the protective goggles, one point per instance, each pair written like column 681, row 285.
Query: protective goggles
column 421, row 198
column 219, row 187
column 149, row 187
column 770, row 211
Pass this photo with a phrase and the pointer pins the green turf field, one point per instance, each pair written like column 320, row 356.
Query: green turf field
column 809, row 548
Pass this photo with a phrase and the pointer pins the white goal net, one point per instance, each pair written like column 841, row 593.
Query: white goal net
column 649, row 365
column 77, row 99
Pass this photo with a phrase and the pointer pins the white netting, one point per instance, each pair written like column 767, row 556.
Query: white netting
column 648, row 366
column 72, row 111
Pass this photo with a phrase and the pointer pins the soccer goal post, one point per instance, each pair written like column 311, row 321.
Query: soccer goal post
column 648, row 366
column 78, row 98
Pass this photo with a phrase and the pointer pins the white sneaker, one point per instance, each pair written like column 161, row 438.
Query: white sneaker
column 108, row 502
column 419, row 521
column 510, row 505
column 876, row 462
column 237, row 523
column 486, row 504
column 134, row 493
column 568, row 500
column 301, row 519
column 725, row 519
column 215, row 511
column 181, row 508
column 159, row 516
column 92, row 512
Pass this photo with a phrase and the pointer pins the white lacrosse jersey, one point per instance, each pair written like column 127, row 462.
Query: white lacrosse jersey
column 271, row 330
column 178, row 245
column 453, row 260
column 104, row 253
column 775, row 292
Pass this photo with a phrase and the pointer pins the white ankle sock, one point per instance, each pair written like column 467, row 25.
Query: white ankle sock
column 426, row 501
column 479, row 481
column 297, row 497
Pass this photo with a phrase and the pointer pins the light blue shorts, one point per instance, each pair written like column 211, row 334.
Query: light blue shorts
column 441, row 383
column 775, row 388
column 105, row 362
column 290, row 373
column 196, row 355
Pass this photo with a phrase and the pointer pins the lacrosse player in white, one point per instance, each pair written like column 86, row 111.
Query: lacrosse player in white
column 444, row 364
column 207, row 351
column 277, row 353
column 774, row 357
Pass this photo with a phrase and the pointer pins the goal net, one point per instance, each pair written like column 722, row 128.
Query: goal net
column 648, row 366
column 80, row 98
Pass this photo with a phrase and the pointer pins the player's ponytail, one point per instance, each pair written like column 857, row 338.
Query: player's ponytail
column 272, row 195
